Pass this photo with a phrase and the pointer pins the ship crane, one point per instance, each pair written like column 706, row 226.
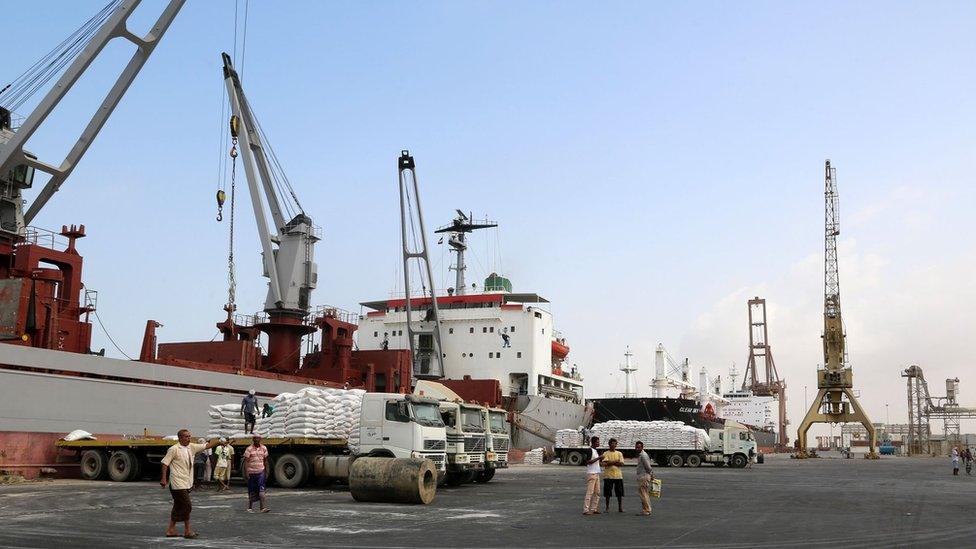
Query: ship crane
column 18, row 165
column 33, row 267
column 835, row 401
column 287, row 243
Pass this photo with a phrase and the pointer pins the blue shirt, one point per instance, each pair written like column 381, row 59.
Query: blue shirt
column 250, row 404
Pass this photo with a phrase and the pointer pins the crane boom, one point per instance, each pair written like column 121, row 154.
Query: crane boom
column 290, row 266
column 13, row 220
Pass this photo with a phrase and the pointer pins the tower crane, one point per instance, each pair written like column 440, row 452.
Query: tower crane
column 835, row 401
column 287, row 243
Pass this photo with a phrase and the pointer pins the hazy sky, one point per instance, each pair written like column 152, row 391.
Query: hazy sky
column 653, row 166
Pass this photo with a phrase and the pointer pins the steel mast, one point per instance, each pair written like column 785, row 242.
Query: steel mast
column 459, row 227
column 835, row 401
column 424, row 336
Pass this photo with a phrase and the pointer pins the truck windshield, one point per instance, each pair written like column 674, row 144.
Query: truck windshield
column 471, row 420
column 498, row 422
column 427, row 414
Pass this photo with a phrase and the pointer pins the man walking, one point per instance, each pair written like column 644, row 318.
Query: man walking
column 177, row 473
column 955, row 461
column 644, row 478
column 225, row 457
column 613, row 477
column 591, row 504
column 256, row 468
column 249, row 409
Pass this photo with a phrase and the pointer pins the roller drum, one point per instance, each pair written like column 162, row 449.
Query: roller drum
column 393, row 480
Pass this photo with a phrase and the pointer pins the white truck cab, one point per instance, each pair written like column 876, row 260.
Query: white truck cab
column 736, row 443
column 402, row 426
column 465, row 432
column 497, row 442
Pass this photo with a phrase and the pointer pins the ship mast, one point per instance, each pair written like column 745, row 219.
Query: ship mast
column 628, row 369
column 458, row 229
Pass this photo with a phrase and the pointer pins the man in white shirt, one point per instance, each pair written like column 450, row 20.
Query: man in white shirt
column 177, row 473
column 225, row 458
column 591, row 504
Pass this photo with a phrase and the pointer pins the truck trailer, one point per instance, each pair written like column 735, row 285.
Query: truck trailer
column 732, row 445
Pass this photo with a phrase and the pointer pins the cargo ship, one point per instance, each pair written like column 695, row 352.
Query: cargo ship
column 699, row 405
column 499, row 347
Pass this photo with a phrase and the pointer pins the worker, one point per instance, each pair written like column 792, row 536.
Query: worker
column 613, row 477
column 267, row 410
column 249, row 409
column 506, row 341
column 645, row 476
column 591, row 504
column 256, row 468
column 386, row 341
column 201, row 465
column 225, row 457
column 955, row 460
column 177, row 474
column 967, row 458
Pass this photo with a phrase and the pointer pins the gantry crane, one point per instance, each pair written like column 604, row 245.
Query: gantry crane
column 761, row 376
column 287, row 245
column 835, row 401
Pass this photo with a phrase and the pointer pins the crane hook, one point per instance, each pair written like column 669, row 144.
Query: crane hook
column 220, row 204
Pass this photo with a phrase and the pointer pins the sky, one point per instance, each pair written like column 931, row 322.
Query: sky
column 652, row 166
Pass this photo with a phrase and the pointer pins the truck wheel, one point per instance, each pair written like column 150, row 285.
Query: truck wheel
column 485, row 476
column 693, row 460
column 94, row 465
column 575, row 458
column 123, row 466
column 291, row 471
column 454, row 479
column 675, row 460
column 739, row 461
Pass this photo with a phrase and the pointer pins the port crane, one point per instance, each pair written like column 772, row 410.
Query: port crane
column 761, row 376
column 835, row 401
column 40, row 282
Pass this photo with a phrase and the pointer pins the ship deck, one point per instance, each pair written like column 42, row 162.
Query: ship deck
column 810, row 503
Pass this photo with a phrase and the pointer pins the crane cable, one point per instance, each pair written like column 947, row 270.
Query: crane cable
column 231, row 279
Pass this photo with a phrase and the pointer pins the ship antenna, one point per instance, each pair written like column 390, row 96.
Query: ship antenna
column 458, row 229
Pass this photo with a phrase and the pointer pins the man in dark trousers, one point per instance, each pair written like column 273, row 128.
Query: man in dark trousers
column 177, row 473
column 249, row 409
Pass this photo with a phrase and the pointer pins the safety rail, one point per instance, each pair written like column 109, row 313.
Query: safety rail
column 45, row 238
column 328, row 311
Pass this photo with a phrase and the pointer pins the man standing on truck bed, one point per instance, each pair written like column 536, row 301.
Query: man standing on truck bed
column 256, row 467
column 249, row 409
column 177, row 472
column 644, row 478
column 613, row 477
column 591, row 504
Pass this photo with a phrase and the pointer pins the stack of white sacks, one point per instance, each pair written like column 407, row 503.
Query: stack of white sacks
column 533, row 457
column 311, row 412
column 662, row 435
column 569, row 438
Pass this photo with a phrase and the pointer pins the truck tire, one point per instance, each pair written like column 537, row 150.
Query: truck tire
column 739, row 461
column 123, row 466
column 675, row 460
column 693, row 460
column 454, row 478
column 94, row 465
column 575, row 458
column 291, row 471
column 485, row 476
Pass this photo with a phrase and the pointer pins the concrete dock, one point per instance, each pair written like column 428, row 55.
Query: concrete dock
column 904, row 502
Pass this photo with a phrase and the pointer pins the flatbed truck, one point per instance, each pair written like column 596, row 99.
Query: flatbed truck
column 732, row 445
column 391, row 425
